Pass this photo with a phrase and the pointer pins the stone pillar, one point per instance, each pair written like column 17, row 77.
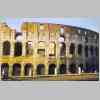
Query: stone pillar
column 10, row 70
column 67, row 55
column 89, row 52
column 67, row 66
column 34, row 70
column 56, row 71
column 12, row 48
column 24, row 36
column 46, row 69
column 22, row 69
column 23, row 48
column 35, row 55
column 24, row 43
column 57, row 57
column 76, row 55
column 1, row 46
column 83, row 56
column 76, row 49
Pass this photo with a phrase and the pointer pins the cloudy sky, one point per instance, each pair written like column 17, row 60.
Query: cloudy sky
column 84, row 22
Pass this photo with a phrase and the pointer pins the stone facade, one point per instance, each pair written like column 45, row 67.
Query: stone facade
column 42, row 49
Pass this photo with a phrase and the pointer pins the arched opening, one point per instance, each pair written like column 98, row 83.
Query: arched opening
column 87, row 68
column 29, row 48
column 80, row 49
column 86, row 39
column 16, row 69
column 18, row 49
column 52, row 68
column 6, row 48
column 62, row 69
column 91, row 50
column 72, row 48
column 73, row 68
column 40, row 69
column 62, row 49
column 86, row 51
column 93, row 68
column 4, row 71
column 28, row 70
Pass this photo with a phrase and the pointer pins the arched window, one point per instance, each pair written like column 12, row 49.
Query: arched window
column 73, row 68
column 86, row 39
column 62, row 69
column 86, row 51
column 52, row 68
column 29, row 48
column 4, row 71
column 28, row 70
column 18, row 49
column 40, row 69
column 16, row 69
column 6, row 48
column 91, row 50
column 72, row 48
column 80, row 49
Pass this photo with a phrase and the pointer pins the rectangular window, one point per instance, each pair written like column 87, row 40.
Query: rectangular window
column 41, row 52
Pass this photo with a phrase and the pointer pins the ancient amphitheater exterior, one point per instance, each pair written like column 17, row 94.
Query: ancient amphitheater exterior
column 48, row 51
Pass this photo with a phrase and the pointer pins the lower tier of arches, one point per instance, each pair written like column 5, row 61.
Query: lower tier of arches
column 28, row 70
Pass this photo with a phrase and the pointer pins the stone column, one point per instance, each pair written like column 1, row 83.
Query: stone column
column 89, row 52
column 10, row 70
column 67, row 66
column 34, row 70
column 67, row 55
column 76, row 55
column 1, row 47
column 22, row 69
column 23, row 48
column 83, row 56
column 56, row 71
column 57, row 56
column 46, row 69
column 12, row 48
column 24, row 43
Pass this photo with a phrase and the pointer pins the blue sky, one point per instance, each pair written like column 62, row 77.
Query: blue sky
column 84, row 22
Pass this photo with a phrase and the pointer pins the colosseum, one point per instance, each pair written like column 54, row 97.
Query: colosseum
column 46, row 51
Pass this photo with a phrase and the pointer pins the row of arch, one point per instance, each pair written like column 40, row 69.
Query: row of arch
column 7, row 47
column 18, row 49
column 40, row 70
column 28, row 69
